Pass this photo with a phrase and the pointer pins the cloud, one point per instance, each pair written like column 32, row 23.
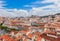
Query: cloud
column 41, row 11
column 40, row 3
column 20, row 12
column 55, row 6
column 56, row 2
column 48, row 1
column 49, row 9
column 3, row 11
column 11, row 12
column 1, row 4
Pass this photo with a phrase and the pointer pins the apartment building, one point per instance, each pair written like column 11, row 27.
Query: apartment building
column 57, row 17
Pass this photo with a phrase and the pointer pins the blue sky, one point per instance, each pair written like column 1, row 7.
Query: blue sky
column 20, row 4
column 17, row 8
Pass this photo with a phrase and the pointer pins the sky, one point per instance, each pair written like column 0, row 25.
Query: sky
column 18, row 8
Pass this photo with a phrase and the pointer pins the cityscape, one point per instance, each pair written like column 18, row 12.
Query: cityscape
column 30, row 20
column 42, row 27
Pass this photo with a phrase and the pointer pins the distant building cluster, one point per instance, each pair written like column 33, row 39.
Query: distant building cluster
column 29, row 20
column 32, row 28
